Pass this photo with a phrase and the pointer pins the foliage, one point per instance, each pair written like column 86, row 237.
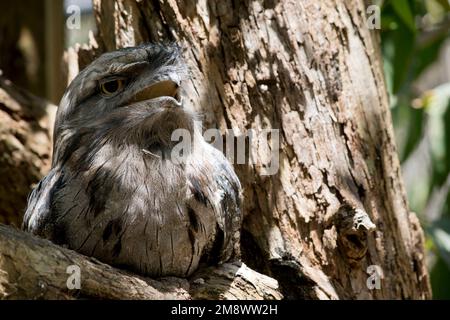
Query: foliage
column 414, row 33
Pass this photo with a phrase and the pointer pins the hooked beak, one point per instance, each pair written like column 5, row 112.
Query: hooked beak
column 163, row 89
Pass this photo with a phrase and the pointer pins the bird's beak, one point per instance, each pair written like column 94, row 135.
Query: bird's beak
column 166, row 88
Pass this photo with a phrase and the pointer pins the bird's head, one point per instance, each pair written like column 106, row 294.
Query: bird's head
column 129, row 96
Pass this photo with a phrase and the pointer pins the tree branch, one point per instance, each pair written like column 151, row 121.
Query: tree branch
column 34, row 268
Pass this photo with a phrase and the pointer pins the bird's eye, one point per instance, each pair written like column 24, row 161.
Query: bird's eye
column 111, row 87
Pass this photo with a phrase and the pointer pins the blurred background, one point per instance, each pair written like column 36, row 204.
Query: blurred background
column 415, row 41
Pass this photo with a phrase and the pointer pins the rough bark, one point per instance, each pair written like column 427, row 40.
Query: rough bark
column 32, row 268
column 31, row 45
column 26, row 122
column 22, row 44
column 313, row 70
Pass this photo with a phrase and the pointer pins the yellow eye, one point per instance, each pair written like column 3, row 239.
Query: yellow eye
column 109, row 88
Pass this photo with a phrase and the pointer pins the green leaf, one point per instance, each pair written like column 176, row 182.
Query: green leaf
column 426, row 54
column 444, row 4
column 398, row 50
column 440, row 278
column 440, row 232
column 389, row 22
column 436, row 10
column 436, row 103
column 403, row 10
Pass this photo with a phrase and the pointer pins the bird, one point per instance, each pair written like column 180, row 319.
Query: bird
column 114, row 191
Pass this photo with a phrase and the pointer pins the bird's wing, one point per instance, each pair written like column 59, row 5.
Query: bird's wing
column 216, row 186
column 38, row 216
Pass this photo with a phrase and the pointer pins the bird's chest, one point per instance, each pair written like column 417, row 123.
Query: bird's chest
column 136, row 214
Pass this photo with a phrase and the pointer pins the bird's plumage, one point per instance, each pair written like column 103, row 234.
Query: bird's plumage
column 114, row 191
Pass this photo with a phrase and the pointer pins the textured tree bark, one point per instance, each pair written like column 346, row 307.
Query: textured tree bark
column 313, row 70
column 32, row 268
column 31, row 43
column 22, row 44
column 26, row 122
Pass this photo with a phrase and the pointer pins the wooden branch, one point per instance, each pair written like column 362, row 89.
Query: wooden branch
column 233, row 281
column 34, row 268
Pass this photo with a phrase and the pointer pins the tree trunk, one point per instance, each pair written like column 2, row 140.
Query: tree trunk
column 313, row 70
column 26, row 122
column 31, row 44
